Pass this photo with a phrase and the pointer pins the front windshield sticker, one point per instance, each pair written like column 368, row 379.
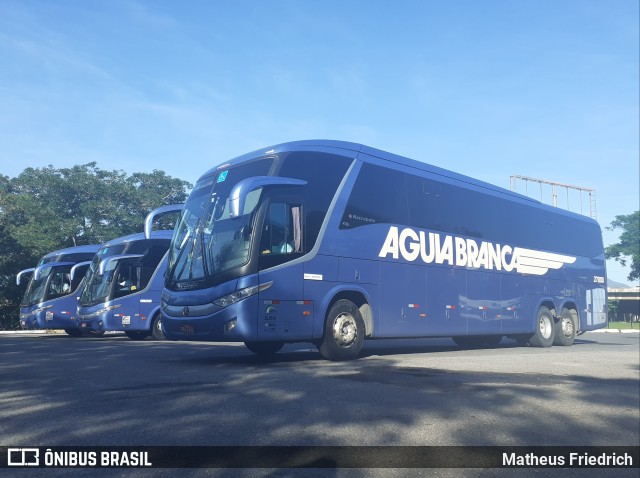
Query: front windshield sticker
column 223, row 176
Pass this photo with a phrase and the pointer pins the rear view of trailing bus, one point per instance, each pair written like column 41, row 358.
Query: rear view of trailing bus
column 50, row 300
column 124, row 282
column 333, row 243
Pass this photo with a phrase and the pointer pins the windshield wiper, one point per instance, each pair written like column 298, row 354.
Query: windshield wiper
column 182, row 249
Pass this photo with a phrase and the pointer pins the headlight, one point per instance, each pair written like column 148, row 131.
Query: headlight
column 238, row 295
column 40, row 309
column 97, row 312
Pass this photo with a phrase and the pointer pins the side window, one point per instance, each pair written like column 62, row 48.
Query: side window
column 378, row 196
column 323, row 173
column 78, row 275
column 127, row 280
column 282, row 238
column 282, row 230
column 59, row 284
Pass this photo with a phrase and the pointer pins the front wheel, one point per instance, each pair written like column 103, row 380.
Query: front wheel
column 136, row 334
column 264, row 348
column 74, row 332
column 565, row 329
column 343, row 332
column 156, row 328
column 545, row 329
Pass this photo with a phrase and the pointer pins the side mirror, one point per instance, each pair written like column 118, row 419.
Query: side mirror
column 103, row 263
column 38, row 270
column 238, row 195
column 72, row 273
column 21, row 273
column 148, row 222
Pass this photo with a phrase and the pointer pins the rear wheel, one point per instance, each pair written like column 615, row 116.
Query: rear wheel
column 545, row 329
column 343, row 332
column 565, row 329
column 95, row 333
column 74, row 332
column 264, row 348
column 156, row 328
column 137, row 334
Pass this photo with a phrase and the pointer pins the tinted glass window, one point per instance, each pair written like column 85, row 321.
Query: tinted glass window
column 323, row 173
column 378, row 196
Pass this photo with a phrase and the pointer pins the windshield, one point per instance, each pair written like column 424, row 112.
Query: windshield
column 53, row 282
column 98, row 286
column 207, row 241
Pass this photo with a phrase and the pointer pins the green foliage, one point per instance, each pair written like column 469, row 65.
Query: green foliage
column 629, row 243
column 45, row 209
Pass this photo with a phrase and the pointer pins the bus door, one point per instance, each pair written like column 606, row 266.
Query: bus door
column 127, row 282
column 483, row 306
column 283, row 312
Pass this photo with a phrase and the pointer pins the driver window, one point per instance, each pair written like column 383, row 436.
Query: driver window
column 282, row 230
column 59, row 285
column 127, row 280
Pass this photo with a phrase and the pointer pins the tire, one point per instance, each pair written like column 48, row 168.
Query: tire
column 565, row 329
column 264, row 348
column 74, row 332
column 136, row 334
column 545, row 329
column 156, row 328
column 343, row 332
column 95, row 333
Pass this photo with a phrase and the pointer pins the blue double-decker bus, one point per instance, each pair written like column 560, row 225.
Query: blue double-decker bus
column 124, row 282
column 50, row 299
column 333, row 243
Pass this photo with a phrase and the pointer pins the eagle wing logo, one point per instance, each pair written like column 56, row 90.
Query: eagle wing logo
column 529, row 261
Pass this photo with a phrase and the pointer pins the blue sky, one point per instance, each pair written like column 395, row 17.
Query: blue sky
column 547, row 89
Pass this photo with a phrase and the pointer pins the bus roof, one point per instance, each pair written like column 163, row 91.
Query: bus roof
column 445, row 174
column 139, row 236
column 56, row 255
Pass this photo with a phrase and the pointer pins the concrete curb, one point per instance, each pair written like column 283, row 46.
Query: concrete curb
column 616, row 331
column 7, row 332
column 48, row 332
column 55, row 332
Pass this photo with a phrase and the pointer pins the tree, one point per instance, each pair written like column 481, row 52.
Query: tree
column 45, row 209
column 629, row 243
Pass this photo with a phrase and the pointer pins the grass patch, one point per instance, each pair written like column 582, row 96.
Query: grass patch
column 624, row 325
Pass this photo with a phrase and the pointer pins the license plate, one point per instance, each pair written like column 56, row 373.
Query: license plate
column 126, row 320
column 187, row 329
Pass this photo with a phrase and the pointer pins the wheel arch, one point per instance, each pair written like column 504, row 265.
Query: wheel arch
column 572, row 306
column 549, row 304
column 155, row 312
column 358, row 296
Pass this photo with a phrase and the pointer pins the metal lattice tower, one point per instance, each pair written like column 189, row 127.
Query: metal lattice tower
column 513, row 181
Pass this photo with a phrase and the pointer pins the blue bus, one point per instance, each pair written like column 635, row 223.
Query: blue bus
column 50, row 300
column 332, row 243
column 124, row 282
